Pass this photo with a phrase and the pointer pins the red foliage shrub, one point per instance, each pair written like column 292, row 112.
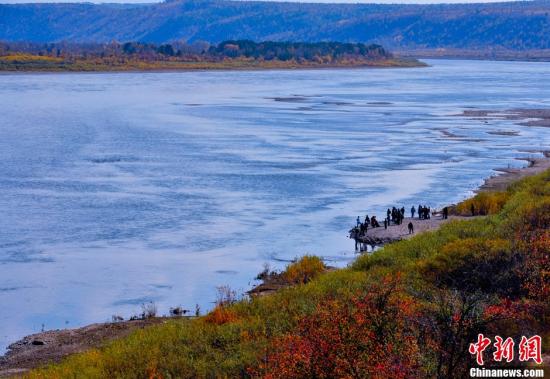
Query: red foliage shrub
column 365, row 337
column 530, row 226
column 537, row 265
column 509, row 310
column 221, row 315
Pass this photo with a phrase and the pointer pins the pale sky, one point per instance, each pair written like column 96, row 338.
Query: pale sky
column 304, row 1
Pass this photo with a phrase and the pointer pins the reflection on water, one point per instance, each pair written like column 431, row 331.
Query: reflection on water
column 118, row 189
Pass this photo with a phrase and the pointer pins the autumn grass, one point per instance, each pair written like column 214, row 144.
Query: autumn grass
column 29, row 62
column 27, row 58
column 487, row 274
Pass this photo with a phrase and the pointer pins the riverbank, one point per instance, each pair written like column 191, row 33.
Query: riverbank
column 380, row 236
column 499, row 182
column 493, row 54
column 52, row 346
column 231, row 54
column 10, row 66
column 506, row 176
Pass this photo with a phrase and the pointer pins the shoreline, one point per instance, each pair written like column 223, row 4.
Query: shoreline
column 466, row 57
column 405, row 58
column 498, row 182
column 379, row 236
column 390, row 63
column 47, row 347
column 51, row 346
column 506, row 176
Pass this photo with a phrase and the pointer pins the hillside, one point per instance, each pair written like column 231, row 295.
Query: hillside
column 513, row 26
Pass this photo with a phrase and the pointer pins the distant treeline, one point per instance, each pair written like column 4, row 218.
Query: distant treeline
column 297, row 50
column 322, row 52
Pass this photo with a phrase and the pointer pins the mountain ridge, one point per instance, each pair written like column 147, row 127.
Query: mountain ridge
column 512, row 25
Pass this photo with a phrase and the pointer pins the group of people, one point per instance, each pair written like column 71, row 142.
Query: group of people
column 395, row 216
column 423, row 212
column 398, row 215
column 364, row 226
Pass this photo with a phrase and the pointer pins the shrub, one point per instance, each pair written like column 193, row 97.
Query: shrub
column 148, row 310
column 475, row 264
column 225, row 296
column 304, row 270
column 365, row 337
column 536, row 270
column 531, row 215
column 221, row 315
column 484, row 203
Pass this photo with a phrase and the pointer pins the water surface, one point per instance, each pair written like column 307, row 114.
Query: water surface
column 119, row 189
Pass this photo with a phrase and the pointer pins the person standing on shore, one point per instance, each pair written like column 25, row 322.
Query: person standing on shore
column 411, row 227
column 445, row 213
column 413, row 210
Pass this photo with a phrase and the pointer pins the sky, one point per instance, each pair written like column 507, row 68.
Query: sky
column 310, row 1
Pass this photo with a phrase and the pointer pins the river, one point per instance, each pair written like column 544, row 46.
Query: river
column 118, row 189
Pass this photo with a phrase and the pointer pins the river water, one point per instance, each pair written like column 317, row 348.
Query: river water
column 117, row 189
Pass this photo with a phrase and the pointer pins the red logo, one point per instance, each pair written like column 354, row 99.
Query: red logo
column 504, row 349
column 479, row 347
column 529, row 349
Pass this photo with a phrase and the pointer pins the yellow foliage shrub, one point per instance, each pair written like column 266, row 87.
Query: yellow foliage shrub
column 484, row 203
column 303, row 270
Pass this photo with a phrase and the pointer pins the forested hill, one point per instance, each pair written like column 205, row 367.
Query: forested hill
column 514, row 25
